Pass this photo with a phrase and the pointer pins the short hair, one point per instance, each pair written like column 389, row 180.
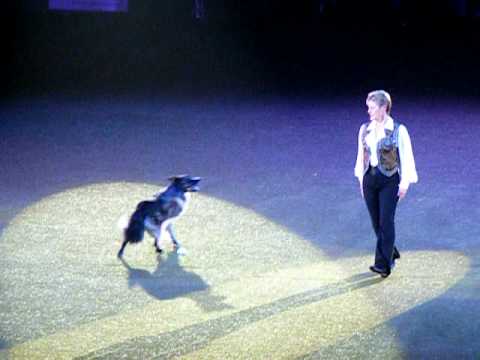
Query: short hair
column 381, row 98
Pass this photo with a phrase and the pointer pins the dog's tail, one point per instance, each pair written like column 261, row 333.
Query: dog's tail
column 135, row 229
column 133, row 233
column 123, row 221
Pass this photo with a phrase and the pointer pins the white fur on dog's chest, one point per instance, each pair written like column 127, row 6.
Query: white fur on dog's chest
column 182, row 203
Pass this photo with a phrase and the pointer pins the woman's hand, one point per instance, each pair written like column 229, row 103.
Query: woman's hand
column 401, row 193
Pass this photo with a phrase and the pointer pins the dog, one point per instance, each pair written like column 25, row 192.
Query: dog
column 156, row 216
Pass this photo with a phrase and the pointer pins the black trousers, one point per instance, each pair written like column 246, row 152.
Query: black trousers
column 381, row 196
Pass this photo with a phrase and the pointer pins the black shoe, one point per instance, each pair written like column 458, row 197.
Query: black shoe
column 383, row 272
column 396, row 254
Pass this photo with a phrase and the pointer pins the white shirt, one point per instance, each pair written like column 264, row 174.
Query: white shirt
column 408, row 172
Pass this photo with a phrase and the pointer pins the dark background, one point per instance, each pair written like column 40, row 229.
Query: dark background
column 260, row 45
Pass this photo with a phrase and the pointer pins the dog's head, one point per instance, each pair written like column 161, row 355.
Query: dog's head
column 186, row 183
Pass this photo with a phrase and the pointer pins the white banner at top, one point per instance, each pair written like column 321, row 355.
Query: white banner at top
column 89, row 5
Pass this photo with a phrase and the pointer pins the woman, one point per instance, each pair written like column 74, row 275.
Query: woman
column 385, row 168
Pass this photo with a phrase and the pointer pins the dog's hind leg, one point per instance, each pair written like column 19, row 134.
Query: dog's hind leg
column 178, row 247
column 155, row 230
column 120, row 252
column 157, row 235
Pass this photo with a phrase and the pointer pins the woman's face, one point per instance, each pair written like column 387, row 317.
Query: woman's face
column 376, row 112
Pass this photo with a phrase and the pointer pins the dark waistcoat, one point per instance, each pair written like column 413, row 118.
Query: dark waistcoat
column 387, row 151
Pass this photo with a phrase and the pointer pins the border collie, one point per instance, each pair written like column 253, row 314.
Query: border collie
column 156, row 216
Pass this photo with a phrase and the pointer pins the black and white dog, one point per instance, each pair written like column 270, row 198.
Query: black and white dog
column 156, row 216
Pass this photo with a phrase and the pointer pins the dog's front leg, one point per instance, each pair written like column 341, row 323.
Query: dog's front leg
column 178, row 247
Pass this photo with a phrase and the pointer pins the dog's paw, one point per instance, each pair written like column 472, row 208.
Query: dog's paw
column 181, row 251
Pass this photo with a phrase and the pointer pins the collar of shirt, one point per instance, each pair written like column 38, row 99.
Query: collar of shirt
column 388, row 124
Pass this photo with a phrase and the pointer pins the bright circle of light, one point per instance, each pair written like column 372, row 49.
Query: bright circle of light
column 64, row 282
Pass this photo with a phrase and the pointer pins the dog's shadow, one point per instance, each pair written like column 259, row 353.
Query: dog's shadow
column 170, row 280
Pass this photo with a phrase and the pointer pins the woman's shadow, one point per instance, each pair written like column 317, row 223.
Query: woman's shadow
column 170, row 280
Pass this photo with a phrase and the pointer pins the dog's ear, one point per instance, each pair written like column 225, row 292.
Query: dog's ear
column 176, row 177
column 173, row 178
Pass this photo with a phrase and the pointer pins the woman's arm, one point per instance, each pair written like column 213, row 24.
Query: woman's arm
column 408, row 171
column 359, row 163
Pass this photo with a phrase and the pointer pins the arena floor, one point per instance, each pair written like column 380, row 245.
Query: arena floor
column 279, row 240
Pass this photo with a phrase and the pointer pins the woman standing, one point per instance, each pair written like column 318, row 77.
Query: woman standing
column 385, row 168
